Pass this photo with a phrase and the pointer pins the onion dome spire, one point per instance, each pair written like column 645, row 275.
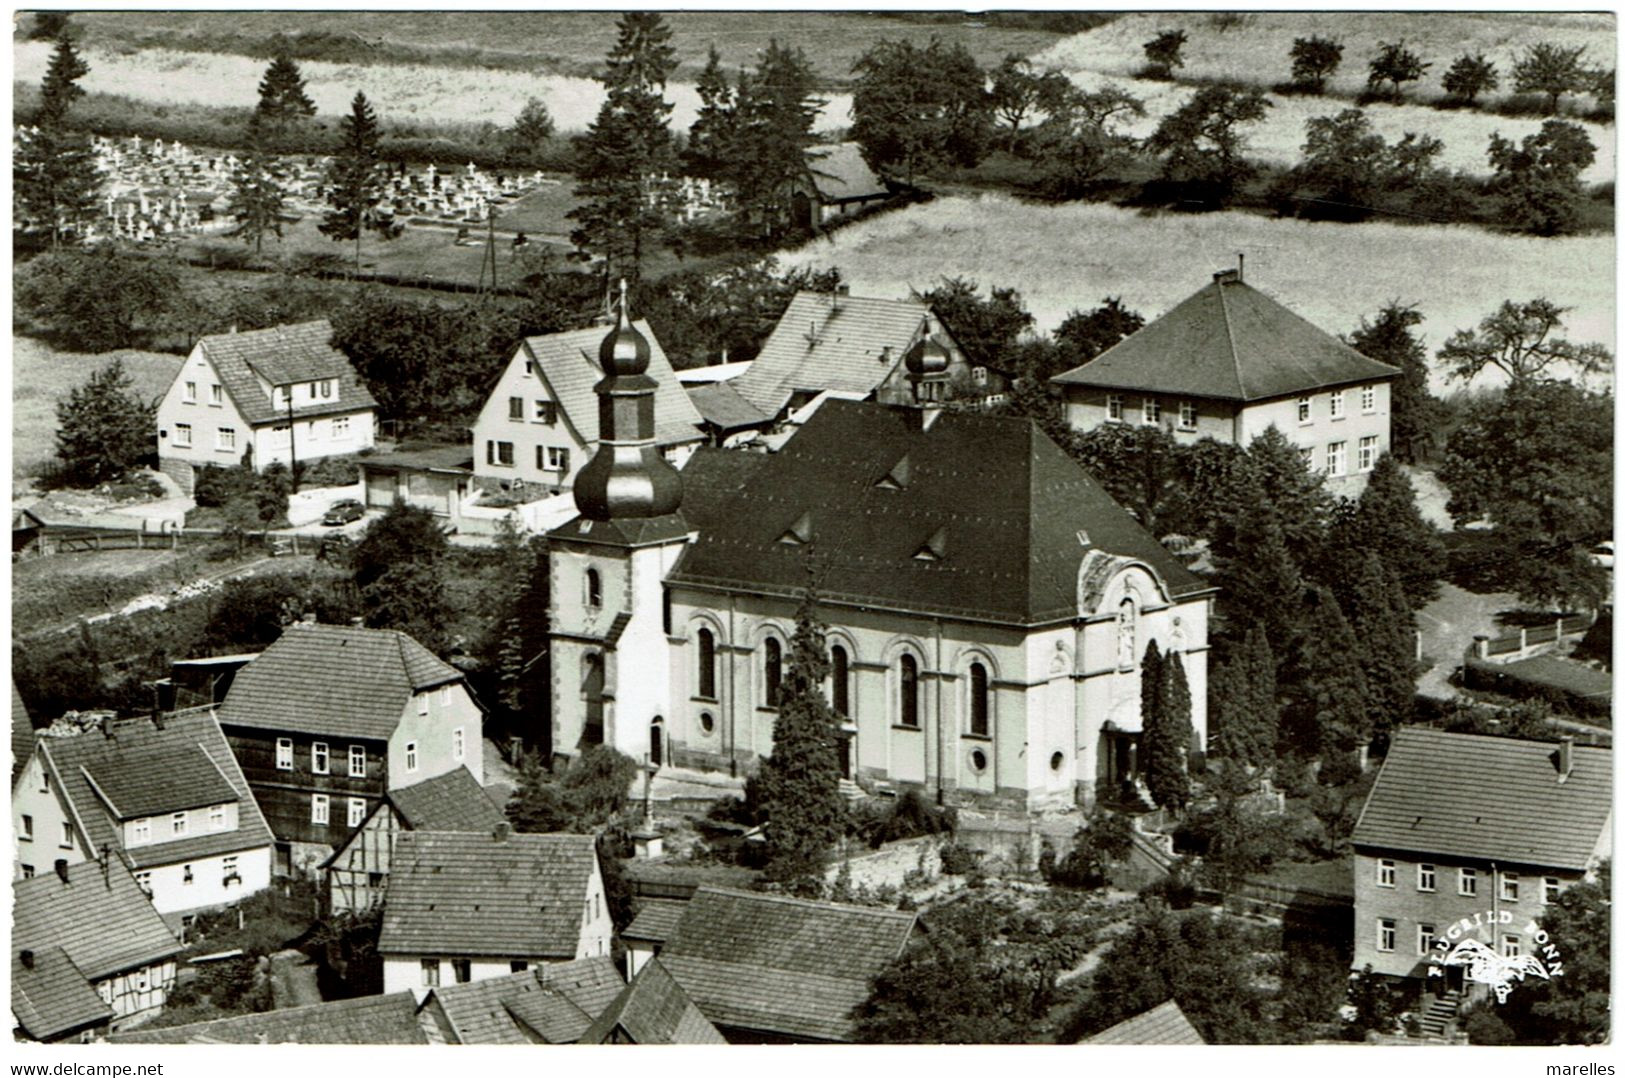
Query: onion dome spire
column 624, row 350
column 927, row 365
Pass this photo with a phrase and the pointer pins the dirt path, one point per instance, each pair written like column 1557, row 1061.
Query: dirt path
column 212, row 577
column 1448, row 625
column 293, row 981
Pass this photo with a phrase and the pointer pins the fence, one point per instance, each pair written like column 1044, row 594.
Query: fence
column 1522, row 643
column 82, row 540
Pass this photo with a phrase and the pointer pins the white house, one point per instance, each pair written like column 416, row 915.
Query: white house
column 165, row 794
column 280, row 394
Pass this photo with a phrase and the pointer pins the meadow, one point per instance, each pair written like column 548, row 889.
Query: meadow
column 1071, row 256
column 41, row 376
column 1253, row 48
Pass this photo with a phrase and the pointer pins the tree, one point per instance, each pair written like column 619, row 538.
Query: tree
column 1088, row 335
column 626, row 148
column 531, row 131
column 592, row 792
column 1242, row 838
column 798, row 786
column 1165, row 716
column 1538, row 180
column 1080, row 141
column 1163, row 53
column 1574, row 1008
column 1333, row 704
column 1313, row 61
column 1242, row 704
column 1018, row 91
column 711, row 135
column 1294, row 492
column 1470, row 74
column 1344, row 160
column 1415, row 415
column 1382, row 621
column 773, row 128
column 917, row 109
column 103, row 428
column 405, row 534
column 410, row 597
column 1106, row 839
column 54, row 170
column 1387, row 521
column 1260, row 584
column 1395, row 65
column 283, row 101
column 1520, row 341
column 355, row 182
column 984, row 328
column 257, row 196
column 1140, row 466
column 1202, row 143
column 1545, row 68
column 98, row 300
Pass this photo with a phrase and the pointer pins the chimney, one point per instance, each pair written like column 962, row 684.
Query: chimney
column 26, row 957
column 1565, row 758
column 1241, row 265
column 62, row 869
column 1228, row 276
column 501, row 831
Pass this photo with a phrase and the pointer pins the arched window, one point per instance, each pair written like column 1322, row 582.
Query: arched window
column 908, row 691
column 839, row 672
column 978, row 700
column 592, row 691
column 772, row 671
column 708, row 664
column 595, row 589
column 1127, row 617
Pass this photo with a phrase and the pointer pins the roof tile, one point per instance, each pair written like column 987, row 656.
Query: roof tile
column 391, row 1019
column 653, row 1009
column 50, row 996
column 100, row 917
column 283, row 355
column 569, row 362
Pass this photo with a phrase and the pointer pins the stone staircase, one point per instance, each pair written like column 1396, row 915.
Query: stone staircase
column 1440, row 1012
column 851, row 791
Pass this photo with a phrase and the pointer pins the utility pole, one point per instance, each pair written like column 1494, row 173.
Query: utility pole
column 293, row 459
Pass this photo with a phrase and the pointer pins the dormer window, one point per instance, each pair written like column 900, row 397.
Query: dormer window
column 217, row 817
column 327, row 389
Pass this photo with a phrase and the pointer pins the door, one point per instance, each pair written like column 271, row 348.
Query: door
column 657, row 730
column 843, row 746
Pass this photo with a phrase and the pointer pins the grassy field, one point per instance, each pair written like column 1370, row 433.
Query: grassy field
column 42, row 376
column 1071, row 256
column 558, row 43
column 1256, row 50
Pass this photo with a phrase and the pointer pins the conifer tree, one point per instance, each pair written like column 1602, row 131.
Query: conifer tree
column 283, row 100
column 1295, row 492
column 1167, row 739
column 103, row 428
column 710, row 136
column 1333, row 700
column 776, row 109
column 1260, row 583
column 54, row 172
column 1415, row 414
column 798, row 786
column 1382, row 622
column 355, row 181
column 1246, row 715
column 1387, row 520
column 257, row 195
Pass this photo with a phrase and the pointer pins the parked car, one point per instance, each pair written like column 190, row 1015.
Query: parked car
column 343, row 512
column 1602, row 554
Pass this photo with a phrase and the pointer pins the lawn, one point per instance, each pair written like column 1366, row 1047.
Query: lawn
column 1071, row 256
column 41, row 376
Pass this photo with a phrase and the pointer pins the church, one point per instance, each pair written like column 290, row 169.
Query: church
column 987, row 603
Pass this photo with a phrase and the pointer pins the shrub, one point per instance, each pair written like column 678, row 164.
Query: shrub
column 329, row 472
column 960, row 860
column 214, row 486
column 907, row 817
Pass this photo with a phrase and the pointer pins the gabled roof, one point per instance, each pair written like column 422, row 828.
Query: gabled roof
column 391, row 1019
column 331, row 679
column 657, row 918
column 22, row 733
column 100, row 917
column 1162, row 1024
column 781, row 965
column 1005, row 503
column 474, row 893
column 1488, row 798
column 553, row 1003
column 454, row 801
column 720, row 405
column 1229, row 341
column 50, row 996
column 839, row 172
column 826, row 340
column 283, row 355
column 135, row 767
column 712, row 478
column 653, row 1009
column 569, row 363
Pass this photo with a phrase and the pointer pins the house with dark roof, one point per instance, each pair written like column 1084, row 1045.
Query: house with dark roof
column 837, row 184
column 855, row 345
column 653, row 1009
column 656, row 919
column 279, row 394
column 1466, row 838
column 1162, row 1024
column 772, row 969
column 1230, row 362
column 358, row 871
column 164, row 794
column 329, row 718
column 87, row 924
column 387, row 1019
column 552, row 1003
column 540, row 423
column 468, row 906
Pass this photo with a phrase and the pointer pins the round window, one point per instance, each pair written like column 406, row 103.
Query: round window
column 978, row 760
column 707, row 722
column 1056, row 761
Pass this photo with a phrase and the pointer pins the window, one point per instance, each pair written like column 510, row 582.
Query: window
column 217, row 817
column 1368, row 452
column 518, row 965
column 225, row 438
column 1424, row 939
column 1304, row 414
column 457, row 747
column 431, row 972
column 357, row 812
column 186, row 874
column 66, row 840
column 707, row 664
column 318, row 757
column 358, row 762
column 908, row 691
column 178, row 823
column 1368, row 398
column 44, row 781
column 978, row 376
column 284, row 754
column 216, row 397
column 327, row 388
column 1426, row 878
column 228, row 871
column 1114, row 407
column 772, row 671
column 189, row 393
column 1337, row 404
column 411, row 756
column 708, row 722
column 1151, row 411
column 143, row 981
column 1386, row 931
column 1337, row 458
column 140, row 831
column 1509, row 886
column 1467, row 882
column 1549, row 888
column 516, row 409
column 423, row 703
column 318, row 809
column 558, row 459
column 1127, row 625
column 28, row 873
column 28, row 828
column 143, row 880
column 978, row 700
column 183, row 434
column 341, row 426
column 840, row 687
column 500, row 453
column 1187, row 415
column 1385, row 873
column 1307, row 455
column 1511, row 946
column 105, row 990
column 546, row 412
column 593, row 589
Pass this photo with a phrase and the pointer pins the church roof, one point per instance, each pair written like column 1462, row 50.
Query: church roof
column 974, row 517
column 1229, row 341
